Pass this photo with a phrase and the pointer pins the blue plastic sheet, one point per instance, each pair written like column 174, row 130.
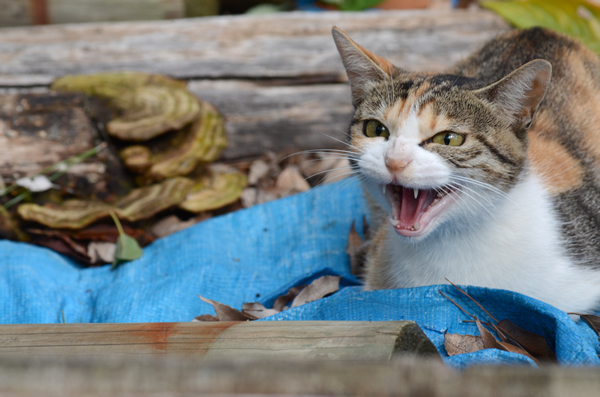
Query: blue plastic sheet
column 256, row 255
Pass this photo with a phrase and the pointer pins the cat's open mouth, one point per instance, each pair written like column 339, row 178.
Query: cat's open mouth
column 413, row 210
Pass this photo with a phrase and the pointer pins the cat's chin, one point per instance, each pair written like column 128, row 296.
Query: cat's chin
column 415, row 211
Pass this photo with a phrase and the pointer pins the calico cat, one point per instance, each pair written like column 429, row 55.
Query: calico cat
column 488, row 175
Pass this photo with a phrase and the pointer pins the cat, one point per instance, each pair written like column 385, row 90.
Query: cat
column 488, row 175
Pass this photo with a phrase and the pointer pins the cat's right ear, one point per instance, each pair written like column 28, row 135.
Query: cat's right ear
column 362, row 66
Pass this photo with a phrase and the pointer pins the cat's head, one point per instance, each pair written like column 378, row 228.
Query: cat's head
column 432, row 148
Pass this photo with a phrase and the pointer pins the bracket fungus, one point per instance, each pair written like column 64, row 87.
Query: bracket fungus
column 199, row 143
column 145, row 105
column 139, row 204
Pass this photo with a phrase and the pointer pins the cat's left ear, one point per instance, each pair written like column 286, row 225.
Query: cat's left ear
column 362, row 66
column 518, row 95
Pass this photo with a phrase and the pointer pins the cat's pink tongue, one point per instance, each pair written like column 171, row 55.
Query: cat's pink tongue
column 412, row 208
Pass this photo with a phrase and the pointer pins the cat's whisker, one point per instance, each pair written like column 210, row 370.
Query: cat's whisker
column 460, row 187
column 482, row 185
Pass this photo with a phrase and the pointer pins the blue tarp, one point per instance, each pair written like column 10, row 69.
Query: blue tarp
column 255, row 255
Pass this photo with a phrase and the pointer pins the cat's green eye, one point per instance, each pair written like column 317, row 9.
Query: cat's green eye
column 448, row 138
column 374, row 128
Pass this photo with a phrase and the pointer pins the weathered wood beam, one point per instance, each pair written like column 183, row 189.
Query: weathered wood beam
column 334, row 340
column 186, row 376
column 277, row 79
column 292, row 45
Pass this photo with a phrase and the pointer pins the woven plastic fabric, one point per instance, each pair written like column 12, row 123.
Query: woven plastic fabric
column 255, row 255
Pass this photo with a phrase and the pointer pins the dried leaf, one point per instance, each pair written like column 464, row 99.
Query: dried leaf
column 257, row 310
column 101, row 252
column 172, row 224
column 227, row 313
column 258, row 170
column 488, row 339
column 318, row 289
column 146, row 105
column 534, row 344
column 37, row 183
column 214, row 191
column 206, row 317
column 340, row 170
column 282, row 301
column 490, row 342
column 291, row 181
column 357, row 250
column 460, row 344
column 592, row 320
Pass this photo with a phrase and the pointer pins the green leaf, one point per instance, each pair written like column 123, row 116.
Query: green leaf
column 576, row 18
column 353, row 5
column 128, row 248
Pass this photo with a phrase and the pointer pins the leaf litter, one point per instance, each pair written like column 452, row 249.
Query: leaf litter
column 512, row 338
column 296, row 296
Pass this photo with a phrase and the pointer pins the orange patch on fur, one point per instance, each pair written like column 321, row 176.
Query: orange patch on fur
column 551, row 161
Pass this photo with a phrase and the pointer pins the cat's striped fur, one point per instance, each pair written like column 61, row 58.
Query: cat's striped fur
column 520, row 197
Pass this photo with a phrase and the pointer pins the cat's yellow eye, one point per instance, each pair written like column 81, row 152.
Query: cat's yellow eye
column 374, row 128
column 448, row 138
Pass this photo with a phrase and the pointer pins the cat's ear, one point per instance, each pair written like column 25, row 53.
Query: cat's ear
column 519, row 94
column 362, row 66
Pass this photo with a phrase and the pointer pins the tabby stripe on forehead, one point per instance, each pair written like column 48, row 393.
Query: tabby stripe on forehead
column 495, row 152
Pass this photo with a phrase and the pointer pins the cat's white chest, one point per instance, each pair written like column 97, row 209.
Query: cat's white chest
column 520, row 249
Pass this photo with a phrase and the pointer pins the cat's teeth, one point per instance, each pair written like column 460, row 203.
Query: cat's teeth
column 383, row 188
column 416, row 226
column 394, row 222
column 416, row 193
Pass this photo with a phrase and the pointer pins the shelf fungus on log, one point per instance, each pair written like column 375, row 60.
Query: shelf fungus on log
column 145, row 105
column 199, row 143
column 139, row 204
column 216, row 189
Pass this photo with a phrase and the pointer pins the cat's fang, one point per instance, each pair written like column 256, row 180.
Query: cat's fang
column 383, row 188
column 416, row 191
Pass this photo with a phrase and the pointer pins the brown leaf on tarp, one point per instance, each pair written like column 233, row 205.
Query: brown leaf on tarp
column 282, row 301
column 592, row 320
column 460, row 344
column 206, row 317
column 257, row 310
column 227, row 313
column 357, row 249
column 490, row 342
column 318, row 289
column 534, row 344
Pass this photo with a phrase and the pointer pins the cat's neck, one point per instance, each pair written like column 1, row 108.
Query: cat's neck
column 520, row 243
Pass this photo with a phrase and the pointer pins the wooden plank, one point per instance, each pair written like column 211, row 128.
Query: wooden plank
column 185, row 376
column 295, row 339
column 291, row 45
column 41, row 12
column 277, row 118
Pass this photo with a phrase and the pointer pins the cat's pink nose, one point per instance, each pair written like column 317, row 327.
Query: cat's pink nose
column 396, row 165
